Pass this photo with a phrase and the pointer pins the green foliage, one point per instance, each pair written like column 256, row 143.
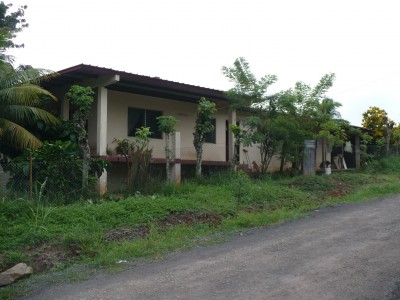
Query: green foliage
column 203, row 126
column 137, row 155
column 81, row 98
column 58, row 164
column 385, row 165
column 241, row 187
column 235, row 200
column 11, row 24
column 247, row 90
column 281, row 122
column 20, row 95
column 374, row 119
column 12, row 258
column 20, row 99
column 167, row 124
column 313, row 183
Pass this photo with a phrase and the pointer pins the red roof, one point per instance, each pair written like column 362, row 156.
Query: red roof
column 138, row 84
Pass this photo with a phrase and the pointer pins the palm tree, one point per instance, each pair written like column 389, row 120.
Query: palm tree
column 20, row 96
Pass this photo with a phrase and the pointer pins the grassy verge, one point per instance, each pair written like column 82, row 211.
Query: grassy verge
column 110, row 232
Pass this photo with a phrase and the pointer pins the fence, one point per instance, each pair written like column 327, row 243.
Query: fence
column 59, row 181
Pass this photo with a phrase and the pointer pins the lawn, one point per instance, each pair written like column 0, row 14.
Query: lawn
column 108, row 232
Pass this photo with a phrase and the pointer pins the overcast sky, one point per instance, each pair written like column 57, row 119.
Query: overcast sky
column 189, row 42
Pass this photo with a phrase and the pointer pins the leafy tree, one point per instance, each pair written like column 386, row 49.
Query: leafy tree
column 20, row 95
column 396, row 137
column 167, row 126
column 247, row 91
column 389, row 125
column 250, row 93
column 81, row 98
column 374, row 119
column 20, row 99
column 203, row 126
column 11, row 24
column 320, row 111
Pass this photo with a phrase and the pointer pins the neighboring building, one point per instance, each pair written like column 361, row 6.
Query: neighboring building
column 125, row 101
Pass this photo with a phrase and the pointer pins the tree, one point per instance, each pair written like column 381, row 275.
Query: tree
column 251, row 94
column 82, row 99
column 203, row 126
column 20, row 94
column 248, row 92
column 20, row 99
column 396, row 137
column 167, row 126
column 11, row 24
column 374, row 119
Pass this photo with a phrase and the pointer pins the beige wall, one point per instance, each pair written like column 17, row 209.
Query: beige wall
column 118, row 103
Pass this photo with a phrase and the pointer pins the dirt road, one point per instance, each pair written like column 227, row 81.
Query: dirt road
column 346, row 252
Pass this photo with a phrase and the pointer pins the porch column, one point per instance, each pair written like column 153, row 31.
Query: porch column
column 357, row 151
column 176, row 167
column 309, row 158
column 101, row 141
column 231, row 137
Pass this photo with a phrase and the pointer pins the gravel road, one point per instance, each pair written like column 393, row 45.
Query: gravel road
column 350, row 251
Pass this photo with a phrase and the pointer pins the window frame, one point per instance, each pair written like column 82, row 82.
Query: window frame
column 157, row 134
column 211, row 138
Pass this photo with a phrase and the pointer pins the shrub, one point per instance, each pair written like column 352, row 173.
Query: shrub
column 58, row 165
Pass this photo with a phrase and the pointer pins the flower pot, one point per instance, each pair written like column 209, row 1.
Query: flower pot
column 328, row 171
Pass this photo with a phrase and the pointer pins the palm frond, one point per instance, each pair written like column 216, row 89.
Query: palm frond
column 17, row 136
column 33, row 76
column 25, row 94
column 26, row 114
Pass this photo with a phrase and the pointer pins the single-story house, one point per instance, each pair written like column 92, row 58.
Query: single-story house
column 126, row 101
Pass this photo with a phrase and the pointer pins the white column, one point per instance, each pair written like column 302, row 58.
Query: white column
column 231, row 137
column 101, row 141
column 176, row 167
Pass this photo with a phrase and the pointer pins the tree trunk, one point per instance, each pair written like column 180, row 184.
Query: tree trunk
column 198, row 145
column 199, row 156
column 85, row 165
column 84, row 145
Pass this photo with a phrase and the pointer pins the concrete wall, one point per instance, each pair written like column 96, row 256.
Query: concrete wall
column 117, row 119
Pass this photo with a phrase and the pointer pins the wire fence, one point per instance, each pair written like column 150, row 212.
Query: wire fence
column 60, row 182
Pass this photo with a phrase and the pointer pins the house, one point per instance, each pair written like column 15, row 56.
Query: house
column 126, row 101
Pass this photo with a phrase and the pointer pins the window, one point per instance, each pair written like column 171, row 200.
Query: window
column 138, row 118
column 211, row 137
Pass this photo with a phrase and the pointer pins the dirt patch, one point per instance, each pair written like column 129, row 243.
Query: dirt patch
column 188, row 219
column 45, row 256
column 340, row 188
column 126, row 234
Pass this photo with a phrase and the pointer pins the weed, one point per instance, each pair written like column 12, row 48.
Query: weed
column 241, row 187
column 40, row 212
